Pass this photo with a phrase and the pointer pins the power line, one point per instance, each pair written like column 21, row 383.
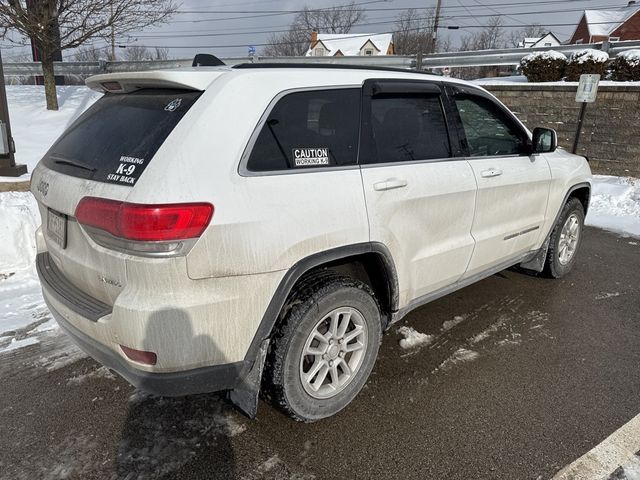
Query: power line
column 446, row 17
column 443, row 27
column 249, row 14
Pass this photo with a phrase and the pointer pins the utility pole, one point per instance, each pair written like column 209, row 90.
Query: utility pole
column 8, row 167
column 436, row 24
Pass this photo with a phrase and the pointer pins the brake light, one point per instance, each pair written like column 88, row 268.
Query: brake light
column 151, row 223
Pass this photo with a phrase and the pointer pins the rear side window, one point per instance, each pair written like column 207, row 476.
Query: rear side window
column 309, row 129
column 116, row 138
column 408, row 127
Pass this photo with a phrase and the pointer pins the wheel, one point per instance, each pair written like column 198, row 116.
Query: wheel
column 565, row 240
column 324, row 347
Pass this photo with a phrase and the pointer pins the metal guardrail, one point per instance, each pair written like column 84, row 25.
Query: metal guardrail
column 476, row 58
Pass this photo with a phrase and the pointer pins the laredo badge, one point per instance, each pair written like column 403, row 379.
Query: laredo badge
column 310, row 157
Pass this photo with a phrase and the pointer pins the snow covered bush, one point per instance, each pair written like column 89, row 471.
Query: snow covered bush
column 626, row 67
column 544, row 66
column 586, row 61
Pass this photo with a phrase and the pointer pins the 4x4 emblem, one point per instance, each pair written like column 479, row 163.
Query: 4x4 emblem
column 173, row 105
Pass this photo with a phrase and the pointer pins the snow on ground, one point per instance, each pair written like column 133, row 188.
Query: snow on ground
column 34, row 128
column 22, row 309
column 615, row 204
column 413, row 338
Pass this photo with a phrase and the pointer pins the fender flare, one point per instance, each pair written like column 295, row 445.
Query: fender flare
column 305, row 265
column 536, row 263
column 245, row 394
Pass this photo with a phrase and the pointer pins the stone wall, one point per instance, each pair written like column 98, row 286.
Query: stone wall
column 611, row 131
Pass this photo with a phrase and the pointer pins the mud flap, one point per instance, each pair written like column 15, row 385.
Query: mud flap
column 245, row 395
column 537, row 263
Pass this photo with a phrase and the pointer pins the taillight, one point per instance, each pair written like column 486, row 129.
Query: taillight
column 145, row 223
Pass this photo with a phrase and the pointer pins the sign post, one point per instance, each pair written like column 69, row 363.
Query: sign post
column 587, row 93
column 8, row 167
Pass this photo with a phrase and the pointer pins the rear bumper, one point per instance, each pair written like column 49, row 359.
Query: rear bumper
column 173, row 384
column 75, row 312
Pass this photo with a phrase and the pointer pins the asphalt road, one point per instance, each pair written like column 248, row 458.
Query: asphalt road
column 533, row 374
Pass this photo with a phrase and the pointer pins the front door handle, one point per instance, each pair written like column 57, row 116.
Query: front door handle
column 390, row 184
column 492, row 172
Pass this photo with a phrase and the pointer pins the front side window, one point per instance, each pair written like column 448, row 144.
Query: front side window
column 309, row 129
column 488, row 129
column 408, row 127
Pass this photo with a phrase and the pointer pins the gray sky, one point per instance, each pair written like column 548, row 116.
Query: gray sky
column 230, row 34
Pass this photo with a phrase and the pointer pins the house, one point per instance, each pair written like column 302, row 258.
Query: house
column 350, row 44
column 612, row 25
column 548, row 40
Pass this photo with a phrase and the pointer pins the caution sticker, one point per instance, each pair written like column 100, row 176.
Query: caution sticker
column 310, row 157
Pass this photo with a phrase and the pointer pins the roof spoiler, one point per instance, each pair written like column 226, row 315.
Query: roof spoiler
column 206, row 60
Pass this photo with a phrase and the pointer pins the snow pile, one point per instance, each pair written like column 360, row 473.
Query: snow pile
column 21, row 303
column 449, row 324
column 20, row 219
column 589, row 54
column 615, row 204
column 412, row 338
column 632, row 57
column 35, row 128
column 460, row 355
column 549, row 55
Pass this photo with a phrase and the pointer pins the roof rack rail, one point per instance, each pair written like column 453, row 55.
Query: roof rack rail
column 326, row 65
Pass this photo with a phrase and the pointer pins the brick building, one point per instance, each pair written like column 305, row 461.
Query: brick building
column 609, row 25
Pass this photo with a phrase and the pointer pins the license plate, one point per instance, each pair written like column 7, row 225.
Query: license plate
column 57, row 227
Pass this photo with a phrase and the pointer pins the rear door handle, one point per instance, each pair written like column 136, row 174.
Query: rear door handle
column 492, row 172
column 390, row 184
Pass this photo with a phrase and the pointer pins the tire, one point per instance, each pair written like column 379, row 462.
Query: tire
column 562, row 250
column 323, row 304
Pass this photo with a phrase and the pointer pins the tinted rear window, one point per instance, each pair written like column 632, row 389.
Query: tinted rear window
column 309, row 129
column 116, row 138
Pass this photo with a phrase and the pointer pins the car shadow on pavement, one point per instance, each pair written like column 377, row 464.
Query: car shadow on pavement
column 177, row 437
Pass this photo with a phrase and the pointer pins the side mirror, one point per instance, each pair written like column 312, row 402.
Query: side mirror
column 545, row 140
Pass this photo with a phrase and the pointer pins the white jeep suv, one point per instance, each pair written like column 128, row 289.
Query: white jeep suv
column 257, row 228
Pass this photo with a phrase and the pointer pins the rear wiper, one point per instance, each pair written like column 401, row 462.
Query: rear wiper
column 64, row 161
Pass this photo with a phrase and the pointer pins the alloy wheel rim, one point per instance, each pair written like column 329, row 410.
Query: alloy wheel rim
column 333, row 353
column 569, row 237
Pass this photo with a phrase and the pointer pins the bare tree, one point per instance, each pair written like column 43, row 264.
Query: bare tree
column 160, row 53
column 136, row 53
column 89, row 54
column 140, row 53
column 55, row 25
column 413, row 32
column 530, row 31
column 490, row 37
column 295, row 41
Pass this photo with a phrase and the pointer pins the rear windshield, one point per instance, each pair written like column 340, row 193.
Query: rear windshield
column 116, row 138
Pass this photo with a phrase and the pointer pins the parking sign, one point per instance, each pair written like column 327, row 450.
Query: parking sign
column 588, row 88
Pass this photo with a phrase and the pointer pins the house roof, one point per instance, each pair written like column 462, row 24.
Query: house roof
column 530, row 42
column 351, row 43
column 605, row 22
